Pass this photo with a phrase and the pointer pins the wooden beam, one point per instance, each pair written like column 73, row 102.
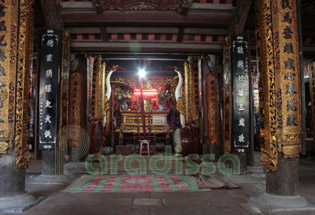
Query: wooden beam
column 149, row 30
column 180, row 35
column 77, row 5
column 87, row 5
column 104, row 34
column 83, row 30
column 136, row 47
column 309, row 49
column 240, row 16
column 208, row 6
column 209, row 31
column 148, row 18
column 135, row 30
column 51, row 13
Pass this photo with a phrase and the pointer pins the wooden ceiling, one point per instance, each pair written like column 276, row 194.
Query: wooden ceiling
column 199, row 28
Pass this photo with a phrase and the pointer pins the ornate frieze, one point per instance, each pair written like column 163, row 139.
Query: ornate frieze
column 176, row 5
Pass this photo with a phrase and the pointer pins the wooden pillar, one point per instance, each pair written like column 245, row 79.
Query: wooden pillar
column 15, row 56
column 227, row 96
column 63, row 134
column 280, row 95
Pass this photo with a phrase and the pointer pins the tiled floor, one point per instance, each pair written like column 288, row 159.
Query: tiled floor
column 209, row 202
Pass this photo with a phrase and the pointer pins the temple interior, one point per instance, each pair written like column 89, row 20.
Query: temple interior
column 136, row 106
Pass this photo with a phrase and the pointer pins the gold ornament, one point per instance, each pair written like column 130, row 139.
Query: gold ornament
column 227, row 100
column 3, row 147
column 267, row 97
column 23, row 156
column 180, row 105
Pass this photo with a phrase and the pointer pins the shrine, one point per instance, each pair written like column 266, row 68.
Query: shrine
column 157, row 96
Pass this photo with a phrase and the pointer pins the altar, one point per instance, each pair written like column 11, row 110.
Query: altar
column 155, row 125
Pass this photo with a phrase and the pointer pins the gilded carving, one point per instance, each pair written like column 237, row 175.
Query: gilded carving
column 187, row 92
column 106, row 104
column 194, row 89
column 213, row 117
column 227, row 113
column 98, row 102
column 191, row 89
column 23, row 156
column 95, row 89
column 4, row 147
column 90, row 67
column 180, row 105
column 103, row 110
column 280, row 108
column 289, row 118
column 65, row 72
column 75, row 113
column 8, row 35
column 267, row 91
column 101, row 86
column 176, row 5
column 186, row 3
column 141, row 6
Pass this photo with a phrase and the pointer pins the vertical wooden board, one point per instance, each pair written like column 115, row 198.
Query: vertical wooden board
column 240, row 83
column 48, row 92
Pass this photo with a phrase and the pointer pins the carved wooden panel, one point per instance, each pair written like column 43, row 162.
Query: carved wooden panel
column 8, row 36
column 213, row 116
column 267, row 91
column 65, row 73
column 287, row 69
column 96, row 89
column 75, row 111
column 192, row 89
column 90, row 68
column 22, row 115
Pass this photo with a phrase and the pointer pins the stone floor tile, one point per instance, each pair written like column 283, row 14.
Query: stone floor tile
column 147, row 201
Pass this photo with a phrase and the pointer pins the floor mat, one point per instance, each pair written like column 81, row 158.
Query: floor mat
column 134, row 183
column 213, row 182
